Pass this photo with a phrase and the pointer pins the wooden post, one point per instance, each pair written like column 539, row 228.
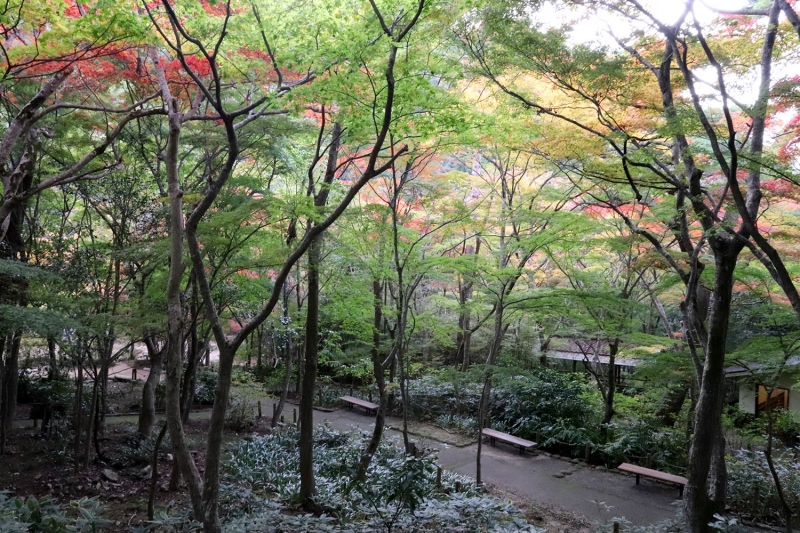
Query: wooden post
column 259, row 408
column 616, row 527
column 133, row 374
column 439, row 477
column 274, row 409
column 294, row 416
column 281, row 419
column 587, row 452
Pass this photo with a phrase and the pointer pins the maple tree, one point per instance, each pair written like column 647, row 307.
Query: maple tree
column 700, row 149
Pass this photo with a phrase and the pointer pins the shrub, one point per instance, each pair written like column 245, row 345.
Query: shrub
column 138, row 450
column 56, row 392
column 545, row 402
column 205, row 391
column 751, row 490
column 240, row 415
column 647, row 444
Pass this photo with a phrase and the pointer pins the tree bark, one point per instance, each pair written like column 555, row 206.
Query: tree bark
column 147, row 410
column 708, row 412
column 11, row 380
column 380, row 382
column 306, row 444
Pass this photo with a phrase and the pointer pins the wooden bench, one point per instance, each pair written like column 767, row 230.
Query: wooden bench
column 368, row 406
column 655, row 474
column 495, row 435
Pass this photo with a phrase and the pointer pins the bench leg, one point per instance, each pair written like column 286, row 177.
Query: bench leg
column 680, row 492
column 521, row 450
column 637, row 479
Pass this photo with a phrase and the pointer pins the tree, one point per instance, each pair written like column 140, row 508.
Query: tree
column 53, row 84
column 376, row 158
column 700, row 144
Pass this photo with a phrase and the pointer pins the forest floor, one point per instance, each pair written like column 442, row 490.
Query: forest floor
column 42, row 467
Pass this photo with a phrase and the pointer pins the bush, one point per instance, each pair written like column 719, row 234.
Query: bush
column 433, row 396
column 786, row 426
column 751, row 490
column 206, row 389
column 240, row 415
column 138, row 450
column 644, row 443
column 548, row 403
column 55, row 392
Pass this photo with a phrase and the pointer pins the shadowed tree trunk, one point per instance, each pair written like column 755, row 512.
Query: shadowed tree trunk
column 307, row 484
column 147, row 410
column 380, row 382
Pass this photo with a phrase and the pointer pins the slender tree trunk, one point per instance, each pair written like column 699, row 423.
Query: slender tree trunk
column 786, row 509
column 77, row 424
column 288, row 354
column 147, row 410
column 611, row 383
column 306, row 444
column 87, row 445
column 3, row 394
column 483, row 406
column 175, row 314
column 287, row 379
column 380, row 381
column 52, row 372
column 211, row 480
column 11, row 381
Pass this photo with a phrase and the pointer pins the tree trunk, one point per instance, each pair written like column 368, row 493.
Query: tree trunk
column 288, row 354
column 483, row 406
column 306, row 444
column 11, row 381
column 3, row 391
column 611, row 383
column 52, row 372
column 786, row 508
column 380, row 381
column 147, row 410
column 672, row 405
column 175, row 314
column 77, row 424
column 708, row 413
column 287, row 379
column 214, row 443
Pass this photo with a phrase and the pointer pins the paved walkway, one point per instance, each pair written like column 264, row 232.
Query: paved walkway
column 595, row 494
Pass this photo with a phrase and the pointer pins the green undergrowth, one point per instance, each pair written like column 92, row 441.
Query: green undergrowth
column 31, row 514
column 400, row 493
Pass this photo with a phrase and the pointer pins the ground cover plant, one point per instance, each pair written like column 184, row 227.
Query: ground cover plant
column 401, row 493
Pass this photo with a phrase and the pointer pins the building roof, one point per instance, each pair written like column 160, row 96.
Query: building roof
column 600, row 358
column 741, row 370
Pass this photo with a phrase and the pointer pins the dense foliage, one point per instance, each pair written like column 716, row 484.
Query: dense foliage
column 400, row 493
